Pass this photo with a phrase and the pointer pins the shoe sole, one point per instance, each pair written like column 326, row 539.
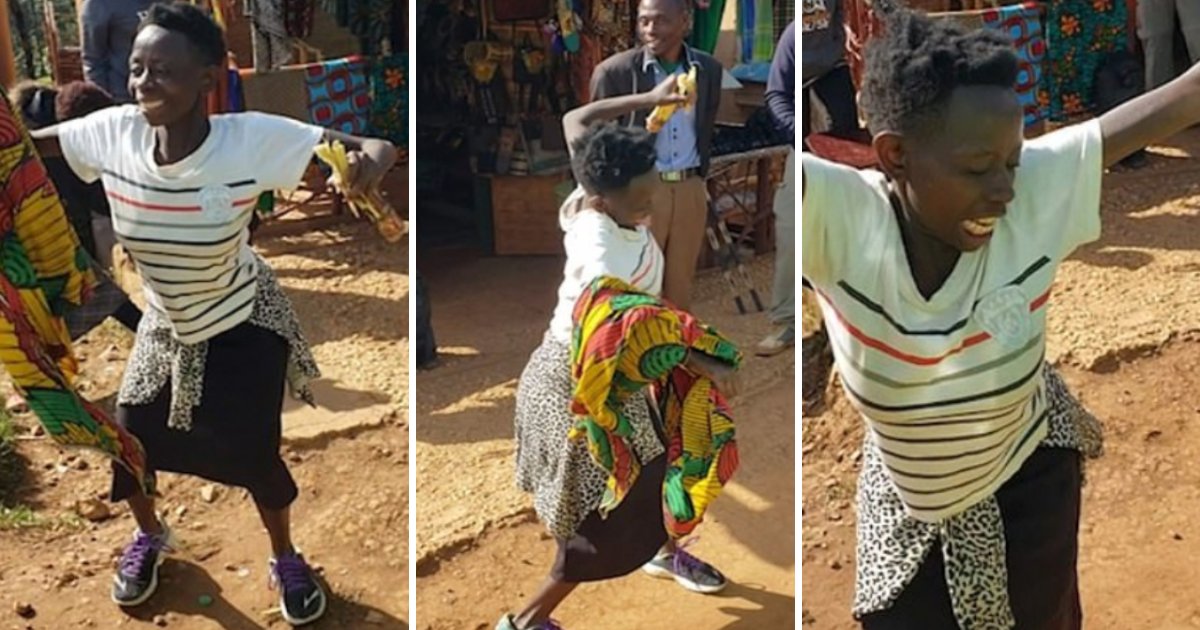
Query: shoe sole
column 765, row 352
column 307, row 620
column 667, row 574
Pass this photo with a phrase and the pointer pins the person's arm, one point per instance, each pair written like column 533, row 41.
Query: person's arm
column 94, row 19
column 1152, row 117
column 781, row 85
column 722, row 374
column 370, row 159
column 45, row 140
column 577, row 121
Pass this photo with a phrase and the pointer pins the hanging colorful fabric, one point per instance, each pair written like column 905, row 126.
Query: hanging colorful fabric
column 1023, row 24
column 298, row 16
column 706, row 29
column 43, row 271
column 371, row 21
column 389, row 98
column 568, row 24
column 1079, row 35
column 337, row 95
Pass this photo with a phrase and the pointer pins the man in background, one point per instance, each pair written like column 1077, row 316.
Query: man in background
column 1157, row 20
column 826, row 73
column 109, row 27
column 685, row 143
column 781, row 102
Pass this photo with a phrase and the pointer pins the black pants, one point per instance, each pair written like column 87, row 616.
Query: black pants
column 836, row 91
column 426, row 343
column 1040, row 508
column 236, row 430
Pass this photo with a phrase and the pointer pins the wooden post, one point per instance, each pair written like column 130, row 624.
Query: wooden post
column 8, row 62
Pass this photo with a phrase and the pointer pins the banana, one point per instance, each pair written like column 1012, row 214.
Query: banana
column 685, row 84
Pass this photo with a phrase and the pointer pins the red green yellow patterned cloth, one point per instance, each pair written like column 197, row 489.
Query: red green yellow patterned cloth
column 625, row 341
column 43, row 271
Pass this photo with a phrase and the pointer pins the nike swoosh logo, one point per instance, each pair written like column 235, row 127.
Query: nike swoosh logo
column 120, row 582
column 312, row 597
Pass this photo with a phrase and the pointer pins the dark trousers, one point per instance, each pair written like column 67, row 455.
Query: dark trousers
column 836, row 91
column 1040, row 508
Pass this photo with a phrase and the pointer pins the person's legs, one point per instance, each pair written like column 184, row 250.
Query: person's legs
column 689, row 201
column 1041, row 506
column 136, row 579
column 1156, row 29
column 279, row 528
column 1189, row 23
column 537, row 612
column 661, row 216
column 783, row 288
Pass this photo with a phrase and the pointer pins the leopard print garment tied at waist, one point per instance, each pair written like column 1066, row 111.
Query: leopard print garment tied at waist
column 892, row 544
column 158, row 357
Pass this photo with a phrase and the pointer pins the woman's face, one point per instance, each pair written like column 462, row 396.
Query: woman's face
column 166, row 75
column 632, row 205
column 959, row 178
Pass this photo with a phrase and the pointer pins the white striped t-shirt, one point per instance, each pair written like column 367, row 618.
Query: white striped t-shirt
column 951, row 388
column 597, row 246
column 185, row 224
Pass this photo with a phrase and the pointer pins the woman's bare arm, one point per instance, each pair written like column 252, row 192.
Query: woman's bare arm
column 1152, row 117
column 45, row 140
column 577, row 121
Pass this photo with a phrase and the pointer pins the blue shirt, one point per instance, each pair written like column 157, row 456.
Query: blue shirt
column 676, row 143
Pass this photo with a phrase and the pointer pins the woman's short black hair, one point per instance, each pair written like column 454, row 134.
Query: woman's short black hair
column 608, row 156
column 194, row 24
column 915, row 64
column 80, row 98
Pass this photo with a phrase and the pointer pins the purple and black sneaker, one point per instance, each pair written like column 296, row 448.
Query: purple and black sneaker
column 301, row 598
column 508, row 623
column 689, row 571
column 137, row 574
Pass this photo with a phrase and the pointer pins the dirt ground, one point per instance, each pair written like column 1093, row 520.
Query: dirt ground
column 351, row 291
column 481, row 552
column 1123, row 325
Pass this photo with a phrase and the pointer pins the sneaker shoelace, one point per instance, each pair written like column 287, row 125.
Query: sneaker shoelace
column 134, row 558
column 550, row 625
column 687, row 564
column 292, row 573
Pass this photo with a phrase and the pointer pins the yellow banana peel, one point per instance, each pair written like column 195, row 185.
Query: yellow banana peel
column 371, row 204
column 685, row 85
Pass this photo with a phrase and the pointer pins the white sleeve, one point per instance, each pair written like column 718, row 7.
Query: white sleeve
column 589, row 251
column 280, row 148
column 829, row 192
column 87, row 143
column 1059, row 182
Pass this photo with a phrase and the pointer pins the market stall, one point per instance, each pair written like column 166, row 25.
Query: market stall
column 495, row 80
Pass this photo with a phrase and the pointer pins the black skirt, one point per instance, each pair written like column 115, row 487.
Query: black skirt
column 1040, row 510
column 603, row 549
column 236, row 430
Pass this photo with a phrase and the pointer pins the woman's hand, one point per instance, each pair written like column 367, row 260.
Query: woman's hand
column 364, row 174
column 369, row 160
column 724, row 376
column 667, row 93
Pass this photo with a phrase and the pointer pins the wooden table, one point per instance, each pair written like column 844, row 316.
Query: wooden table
column 728, row 176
